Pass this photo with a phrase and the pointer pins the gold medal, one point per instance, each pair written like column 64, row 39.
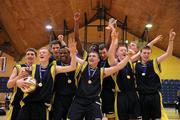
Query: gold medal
column 69, row 81
column 128, row 76
column 143, row 74
column 89, row 81
column 40, row 84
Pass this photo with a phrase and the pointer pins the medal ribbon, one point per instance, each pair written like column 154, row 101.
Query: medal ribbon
column 89, row 72
column 144, row 68
column 40, row 73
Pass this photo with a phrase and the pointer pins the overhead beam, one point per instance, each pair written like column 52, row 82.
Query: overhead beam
column 85, row 30
column 7, row 46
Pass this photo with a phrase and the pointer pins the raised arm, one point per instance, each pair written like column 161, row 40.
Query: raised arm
column 135, row 57
column 108, row 41
column 61, row 40
column 113, row 47
column 119, row 66
column 110, row 28
column 77, row 17
column 154, row 41
column 169, row 50
column 72, row 66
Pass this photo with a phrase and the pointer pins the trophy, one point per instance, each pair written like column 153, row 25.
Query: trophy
column 112, row 22
column 31, row 82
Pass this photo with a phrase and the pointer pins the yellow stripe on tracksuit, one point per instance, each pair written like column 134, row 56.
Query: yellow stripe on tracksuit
column 115, row 107
column 158, row 71
column 101, row 80
column 163, row 112
column 80, row 67
column 85, row 55
column 9, row 114
column 115, row 96
column 47, row 114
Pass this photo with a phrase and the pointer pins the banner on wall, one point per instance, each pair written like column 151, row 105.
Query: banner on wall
column 3, row 61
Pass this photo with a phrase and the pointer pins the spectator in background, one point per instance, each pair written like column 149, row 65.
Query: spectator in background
column 133, row 46
column 7, row 100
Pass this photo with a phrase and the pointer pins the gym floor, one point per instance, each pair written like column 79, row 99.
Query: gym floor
column 171, row 112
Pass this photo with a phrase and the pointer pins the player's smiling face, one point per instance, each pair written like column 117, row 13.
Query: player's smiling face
column 145, row 55
column 93, row 58
column 44, row 55
column 121, row 52
column 30, row 56
column 103, row 53
column 64, row 55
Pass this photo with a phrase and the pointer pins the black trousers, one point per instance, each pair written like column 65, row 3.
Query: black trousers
column 33, row 111
column 150, row 106
column 107, row 96
column 61, row 106
column 128, row 106
column 14, row 110
column 83, row 108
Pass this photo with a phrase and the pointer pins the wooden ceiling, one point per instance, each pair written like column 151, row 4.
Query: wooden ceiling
column 22, row 22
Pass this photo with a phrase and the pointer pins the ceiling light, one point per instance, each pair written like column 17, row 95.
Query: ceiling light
column 149, row 25
column 49, row 27
column 126, row 41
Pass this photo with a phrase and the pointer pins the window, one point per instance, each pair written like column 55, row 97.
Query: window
column 3, row 61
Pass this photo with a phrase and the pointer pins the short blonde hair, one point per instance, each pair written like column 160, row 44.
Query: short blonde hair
column 47, row 48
